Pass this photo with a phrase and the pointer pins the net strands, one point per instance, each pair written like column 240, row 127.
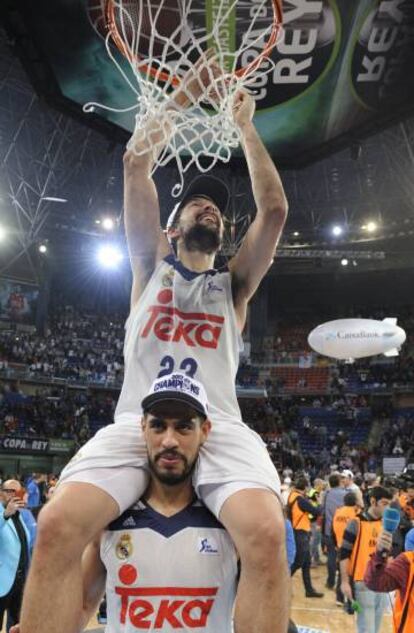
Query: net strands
column 163, row 42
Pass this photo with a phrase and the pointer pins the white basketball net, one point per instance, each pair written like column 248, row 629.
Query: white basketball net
column 203, row 132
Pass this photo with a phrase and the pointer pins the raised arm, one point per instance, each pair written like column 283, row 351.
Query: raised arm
column 257, row 251
column 147, row 243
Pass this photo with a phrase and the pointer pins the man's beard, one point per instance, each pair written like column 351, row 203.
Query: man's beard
column 171, row 478
column 202, row 238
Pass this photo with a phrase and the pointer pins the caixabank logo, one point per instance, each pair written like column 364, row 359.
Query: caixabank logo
column 156, row 608
column 383, row 54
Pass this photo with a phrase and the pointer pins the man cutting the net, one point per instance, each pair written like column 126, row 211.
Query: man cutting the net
column 187, row 317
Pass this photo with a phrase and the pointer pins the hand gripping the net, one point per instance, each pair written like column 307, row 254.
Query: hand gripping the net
column 187, row 69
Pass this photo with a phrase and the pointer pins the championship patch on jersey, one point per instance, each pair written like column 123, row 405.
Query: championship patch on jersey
column 167, row 280
column 124, row 548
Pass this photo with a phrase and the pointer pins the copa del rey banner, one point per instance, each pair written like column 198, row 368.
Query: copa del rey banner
column 16, row 444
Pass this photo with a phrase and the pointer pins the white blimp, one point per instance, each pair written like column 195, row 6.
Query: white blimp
column 347, row 339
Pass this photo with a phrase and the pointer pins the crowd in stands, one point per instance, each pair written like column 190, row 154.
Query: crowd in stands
column 54, row 413
column 76, row 347
column 302, row 429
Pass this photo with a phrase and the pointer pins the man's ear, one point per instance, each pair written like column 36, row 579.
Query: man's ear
column 173, row 233
column 206, row 428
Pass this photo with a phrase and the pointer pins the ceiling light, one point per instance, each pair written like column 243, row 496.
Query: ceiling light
column 337, row 230
column 108, row 224
column 53, row 199
column 109, row 256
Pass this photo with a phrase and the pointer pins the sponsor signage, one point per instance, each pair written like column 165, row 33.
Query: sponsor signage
column 20, row 444
column 16, row 444
column 61, row 446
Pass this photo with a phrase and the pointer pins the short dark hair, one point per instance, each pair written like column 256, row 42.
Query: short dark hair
column 301, row 483
column 378, row 493
column 350, row 499
column 334, row 480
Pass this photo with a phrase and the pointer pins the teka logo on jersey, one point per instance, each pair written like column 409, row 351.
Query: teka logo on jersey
column 156, row 607
column 195, row 329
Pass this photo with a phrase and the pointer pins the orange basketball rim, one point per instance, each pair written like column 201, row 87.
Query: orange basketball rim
column 112, row 24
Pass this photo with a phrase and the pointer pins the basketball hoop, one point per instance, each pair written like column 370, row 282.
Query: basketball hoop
column 163, row 41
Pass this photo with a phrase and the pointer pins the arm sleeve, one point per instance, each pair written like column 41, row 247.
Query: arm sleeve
column 307, row 506
column 349, row 539
column 383, row 577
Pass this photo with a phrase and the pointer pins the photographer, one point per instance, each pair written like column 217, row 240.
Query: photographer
column 300, row 509
column 382, row 575
column 16, row 541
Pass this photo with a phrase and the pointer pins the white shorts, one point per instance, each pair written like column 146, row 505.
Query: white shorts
column 233, row 458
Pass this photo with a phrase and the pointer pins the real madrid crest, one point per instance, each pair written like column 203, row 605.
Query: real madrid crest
column 124, row 547
column 167, row 280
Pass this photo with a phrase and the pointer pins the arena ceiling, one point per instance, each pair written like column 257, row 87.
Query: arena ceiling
column 59, row 175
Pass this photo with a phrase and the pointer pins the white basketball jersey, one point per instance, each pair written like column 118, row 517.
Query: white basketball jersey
column 169, row 574
column 184, row 321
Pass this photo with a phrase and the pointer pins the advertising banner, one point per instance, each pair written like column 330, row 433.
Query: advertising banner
column 340, row 66
column 18, row 301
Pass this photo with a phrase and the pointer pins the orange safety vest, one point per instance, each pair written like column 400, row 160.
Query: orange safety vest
column 341, row 517
column 404, row 605
column 300, row 520
column 364, row 546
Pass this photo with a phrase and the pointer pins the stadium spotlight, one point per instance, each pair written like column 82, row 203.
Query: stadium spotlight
column 337, row 230
column 371, row 227
column 108, row 224
column 42, row 249
column 344, row 262
column 109, row 256
column 3, row 233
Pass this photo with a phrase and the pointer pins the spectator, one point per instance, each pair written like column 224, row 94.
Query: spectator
column 315, row 495
column 16, row 544
column 359, row 542
column 33, row 490
column 334, row 499
column 348, row 484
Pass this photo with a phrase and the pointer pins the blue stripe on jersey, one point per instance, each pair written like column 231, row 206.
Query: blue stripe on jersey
column 189, row 275
column 142, row 516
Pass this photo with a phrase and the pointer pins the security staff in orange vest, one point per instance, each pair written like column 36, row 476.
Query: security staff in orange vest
column 342, row 516
column 395, row 575
column 299, row 508
column 359, row 542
